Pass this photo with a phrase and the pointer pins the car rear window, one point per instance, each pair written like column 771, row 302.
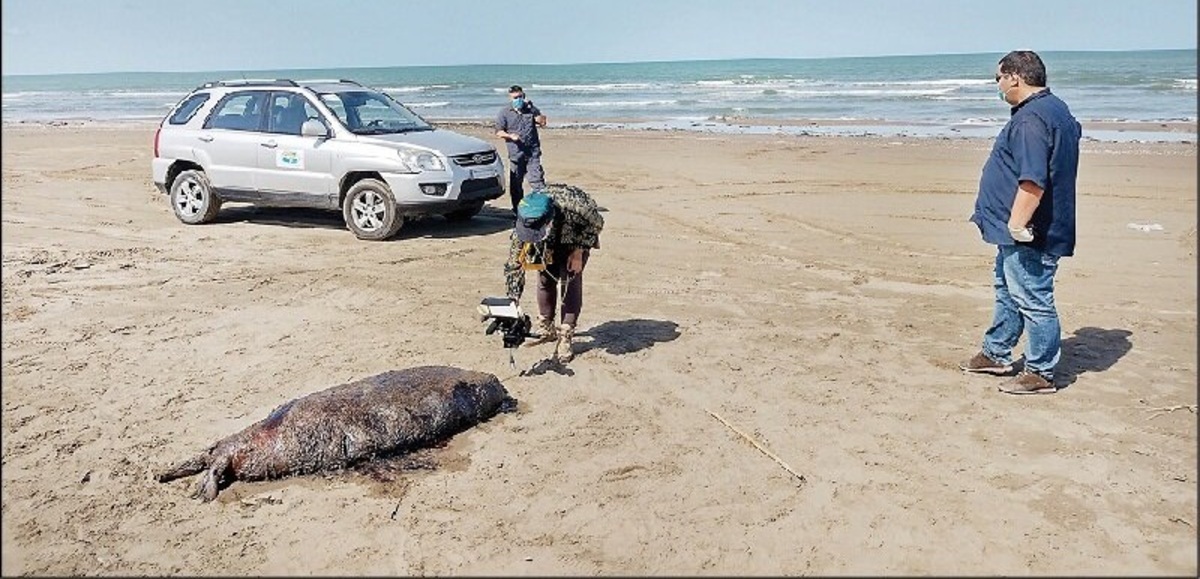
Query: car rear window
column 186, row 110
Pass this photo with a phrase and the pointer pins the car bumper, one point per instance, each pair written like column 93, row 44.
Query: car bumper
column 158, row 173
column 458, row 187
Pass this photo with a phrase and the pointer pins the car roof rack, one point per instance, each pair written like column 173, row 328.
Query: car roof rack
column 250, row 81
column 328, row 81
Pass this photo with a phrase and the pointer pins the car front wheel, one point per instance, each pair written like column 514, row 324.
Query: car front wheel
column 192, row 198
column 370, row 211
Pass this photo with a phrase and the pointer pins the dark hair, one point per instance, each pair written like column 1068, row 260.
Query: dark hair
column 515, row 88
column 1025, row 64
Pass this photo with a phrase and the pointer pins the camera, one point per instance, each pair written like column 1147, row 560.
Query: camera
column 506, row 317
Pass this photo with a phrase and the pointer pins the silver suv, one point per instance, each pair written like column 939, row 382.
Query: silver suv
column 331, row 144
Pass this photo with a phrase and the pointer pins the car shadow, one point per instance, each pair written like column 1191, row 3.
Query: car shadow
column 1090, row 350
column 302, row 217
column 490, row 220
column 627, row 336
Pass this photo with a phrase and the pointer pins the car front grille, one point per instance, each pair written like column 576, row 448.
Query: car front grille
column 476, row 185
column 474, row 159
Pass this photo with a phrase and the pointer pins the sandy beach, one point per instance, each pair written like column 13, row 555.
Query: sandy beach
column 812, row 295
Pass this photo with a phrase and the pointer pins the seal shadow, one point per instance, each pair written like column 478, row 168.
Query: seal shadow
column 627, row 336
column 1090, row 350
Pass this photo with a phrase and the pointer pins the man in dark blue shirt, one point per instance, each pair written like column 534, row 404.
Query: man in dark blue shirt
column 1026, row 208
column 517, row 124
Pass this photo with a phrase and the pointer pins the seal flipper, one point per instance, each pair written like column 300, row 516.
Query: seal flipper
column 210, row 484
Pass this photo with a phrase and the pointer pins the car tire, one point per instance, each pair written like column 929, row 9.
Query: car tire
column 465, row 212
column 193, row 199
column 370, row 211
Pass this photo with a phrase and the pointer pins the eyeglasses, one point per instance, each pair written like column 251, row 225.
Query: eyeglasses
column 999, row 76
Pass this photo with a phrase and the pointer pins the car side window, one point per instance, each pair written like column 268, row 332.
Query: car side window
column 239, row 111
column 187, row 109
column 289, row 111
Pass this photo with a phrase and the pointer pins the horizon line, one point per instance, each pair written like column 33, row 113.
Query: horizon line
column 553, row 64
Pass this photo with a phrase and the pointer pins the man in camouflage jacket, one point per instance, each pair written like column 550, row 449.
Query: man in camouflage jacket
column 557, row 227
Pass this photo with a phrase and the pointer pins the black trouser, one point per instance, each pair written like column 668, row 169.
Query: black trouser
column 553, row 279
column 522, row 165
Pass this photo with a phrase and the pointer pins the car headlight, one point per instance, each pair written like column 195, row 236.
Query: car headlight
column 417, row 161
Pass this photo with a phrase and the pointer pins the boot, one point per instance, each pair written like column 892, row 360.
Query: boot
column 562, row 350
column 547, row 331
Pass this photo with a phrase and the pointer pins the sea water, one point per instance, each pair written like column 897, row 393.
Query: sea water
column 928, row 95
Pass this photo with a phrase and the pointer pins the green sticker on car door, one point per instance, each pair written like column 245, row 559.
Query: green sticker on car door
column 288, row 159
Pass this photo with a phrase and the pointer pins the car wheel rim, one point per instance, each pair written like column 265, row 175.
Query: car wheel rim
column 189, row 198
column 369, row 211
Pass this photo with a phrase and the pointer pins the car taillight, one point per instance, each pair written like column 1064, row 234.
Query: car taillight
column 156, row 132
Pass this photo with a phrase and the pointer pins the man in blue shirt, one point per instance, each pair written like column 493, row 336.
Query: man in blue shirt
column 1026, row 208
column 517, row 125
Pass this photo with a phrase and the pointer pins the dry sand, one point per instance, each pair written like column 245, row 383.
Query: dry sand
column 813, row 293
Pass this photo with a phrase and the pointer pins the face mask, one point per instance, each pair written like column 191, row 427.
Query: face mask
column 518, row 103
column 1000, row 93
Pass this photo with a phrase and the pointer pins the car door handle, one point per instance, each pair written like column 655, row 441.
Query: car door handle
column 205, row 138
column 270, row 144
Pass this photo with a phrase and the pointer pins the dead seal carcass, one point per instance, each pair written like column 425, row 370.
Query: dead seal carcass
column 381, row 415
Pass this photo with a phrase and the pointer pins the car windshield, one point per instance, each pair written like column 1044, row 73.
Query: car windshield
column 367, row 112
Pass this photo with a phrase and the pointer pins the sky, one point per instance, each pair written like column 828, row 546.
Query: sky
column 90, row 36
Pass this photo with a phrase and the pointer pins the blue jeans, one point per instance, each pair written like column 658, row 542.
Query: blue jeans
column 1024, row 283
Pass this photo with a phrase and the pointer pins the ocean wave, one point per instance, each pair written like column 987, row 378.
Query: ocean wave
column 18, row 95
column 430, row 105
column 779, row 83
column 625, row 104
column 146, row 94
column 935, row 82
column 852, row 92
column 590, row 87
column 416, row 88
column 820, row 90
column 750, row 82
column 963, row 98
column 1184, row 83
column 1119, row 120
column 981, row 121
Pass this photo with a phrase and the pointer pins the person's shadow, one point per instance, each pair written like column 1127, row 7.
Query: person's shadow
column 618, row 337
column 626, row 336
column 1090, row 350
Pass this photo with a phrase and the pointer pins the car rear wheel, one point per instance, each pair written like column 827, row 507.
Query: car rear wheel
column 192, row 198
column 370, row 211
column 466, row 211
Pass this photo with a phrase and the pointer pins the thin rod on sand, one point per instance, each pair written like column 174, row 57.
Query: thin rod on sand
column 758, row 446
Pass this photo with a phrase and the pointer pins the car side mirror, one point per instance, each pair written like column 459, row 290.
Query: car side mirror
column 314, row 128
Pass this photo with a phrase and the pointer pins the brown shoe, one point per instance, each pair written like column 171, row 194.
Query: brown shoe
column 981, row 364
column 1028, row 383
column 546, row 330
column 562, row 350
